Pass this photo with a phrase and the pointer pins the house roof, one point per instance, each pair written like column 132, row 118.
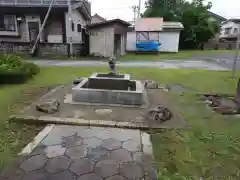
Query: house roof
column 217, row 16
column 232, row 20
column 105, row 23
column 235, row 20
column 38, row 3
column 149, row 24
column 172, row 25
column 100, row 17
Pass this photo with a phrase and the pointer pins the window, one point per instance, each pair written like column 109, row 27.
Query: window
column 235, row 30
column 8, row 23
column 227, row 31
column 79, row 28
column 73, row 28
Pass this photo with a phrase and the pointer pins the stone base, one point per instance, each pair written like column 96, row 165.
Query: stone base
column 81, row 93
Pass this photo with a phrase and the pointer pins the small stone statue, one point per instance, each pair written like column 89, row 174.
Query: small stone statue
column 112, row 63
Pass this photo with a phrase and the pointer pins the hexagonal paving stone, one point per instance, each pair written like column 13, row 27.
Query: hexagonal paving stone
column 86, row 133
column 131, row 171
column 68, row 130
column 111, row 144
column 131, row 146
column 125, row 134
column 66, row 175
column 82, row 166
column 57, row 164
column 121, row 155
column 34, row 163
column 71, row 141
column 77, row 152
column 92, row 142
column 37, row 175
column 54, row 151
column 52, row 139
column 97, row 154
column 91, row 176
column 117, row 177
column 38, row 150
column 106, row 168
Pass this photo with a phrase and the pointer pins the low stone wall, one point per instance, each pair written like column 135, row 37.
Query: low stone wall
column 44, row 49
column 80, row 94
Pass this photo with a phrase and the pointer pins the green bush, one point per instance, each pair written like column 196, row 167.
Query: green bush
column 13, row 70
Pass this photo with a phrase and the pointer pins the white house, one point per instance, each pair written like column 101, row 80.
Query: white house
column 155, row 29
column 230, row 29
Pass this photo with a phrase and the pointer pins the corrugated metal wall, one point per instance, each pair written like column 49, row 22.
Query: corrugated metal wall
column 169, row 41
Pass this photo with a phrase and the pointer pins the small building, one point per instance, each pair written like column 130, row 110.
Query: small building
column 96, row 18
column 108, row 38
column 21, row 21
column 157, row 30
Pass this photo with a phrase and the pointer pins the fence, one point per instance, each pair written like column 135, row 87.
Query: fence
column 220, row 45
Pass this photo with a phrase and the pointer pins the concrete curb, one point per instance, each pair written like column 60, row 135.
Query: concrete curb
column 80, row 122
column 31, row 146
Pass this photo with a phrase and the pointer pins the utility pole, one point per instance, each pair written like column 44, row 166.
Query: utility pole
column 139, row 8
column 236, row 56
column 70, row 26
column 135, row 9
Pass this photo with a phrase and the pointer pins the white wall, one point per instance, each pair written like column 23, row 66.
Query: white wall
column 102, row 42
column 169, row 41
column 231, row 25
column 77, row 19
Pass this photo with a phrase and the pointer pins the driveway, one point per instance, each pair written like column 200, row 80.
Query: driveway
column 168, row 64
column 225, row 60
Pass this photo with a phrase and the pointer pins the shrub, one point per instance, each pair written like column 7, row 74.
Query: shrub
column 13, row 70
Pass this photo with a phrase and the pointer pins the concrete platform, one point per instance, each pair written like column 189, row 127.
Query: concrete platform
column 103, row 115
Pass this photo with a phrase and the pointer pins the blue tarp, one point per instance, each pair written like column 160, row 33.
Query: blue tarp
column 148, row 46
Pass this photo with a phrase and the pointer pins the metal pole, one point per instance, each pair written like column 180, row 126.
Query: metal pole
column 236, row 56
column 70, row 26
column 42, row 27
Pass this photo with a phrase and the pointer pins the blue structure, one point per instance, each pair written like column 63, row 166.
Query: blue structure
column 151, row 46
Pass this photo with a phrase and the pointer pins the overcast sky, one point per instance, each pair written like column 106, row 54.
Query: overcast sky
column 111, row 9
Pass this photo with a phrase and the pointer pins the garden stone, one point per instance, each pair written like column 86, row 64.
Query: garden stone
column 77, row 81
column 49, row 107
column 149, row 84
column 227, row 106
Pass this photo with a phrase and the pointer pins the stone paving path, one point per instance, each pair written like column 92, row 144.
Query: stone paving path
column 87, row 153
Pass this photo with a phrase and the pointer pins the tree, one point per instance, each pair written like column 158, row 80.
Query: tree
column 193, row 15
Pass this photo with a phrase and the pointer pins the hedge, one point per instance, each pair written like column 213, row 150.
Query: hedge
column 13, row 70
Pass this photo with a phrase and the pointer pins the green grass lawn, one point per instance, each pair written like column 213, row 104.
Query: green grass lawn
column 184, row 54
column 210, row 147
